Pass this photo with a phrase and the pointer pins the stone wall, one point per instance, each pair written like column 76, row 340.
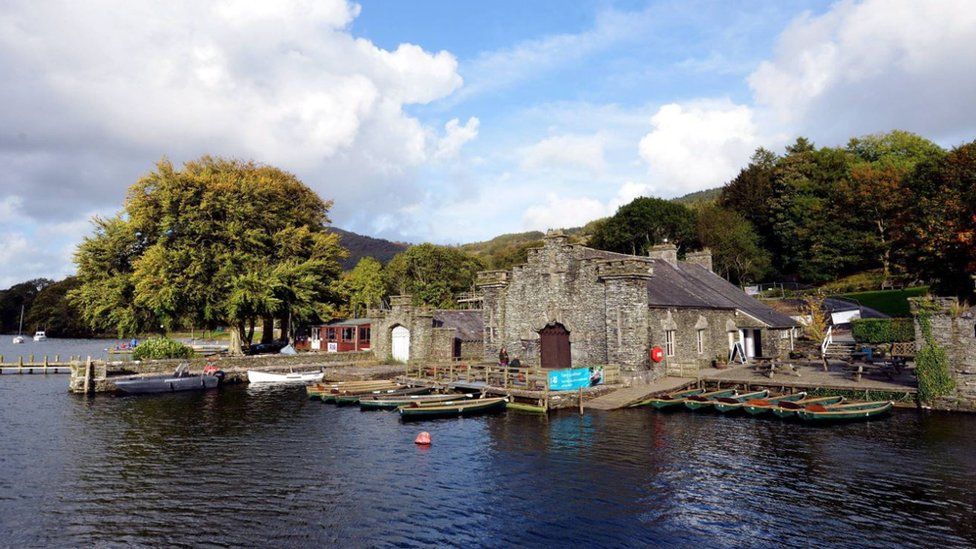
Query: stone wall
column 954, row 329
column 427, row 343
column 714, row 323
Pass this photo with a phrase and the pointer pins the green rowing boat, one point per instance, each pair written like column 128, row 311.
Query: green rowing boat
column 392, row 402
column 762, row 405
column 452, row 408
column 665, row 401
column 354, row 398
column 734, row 403
column 789, row 409
column 703, row 400
column 845, row 412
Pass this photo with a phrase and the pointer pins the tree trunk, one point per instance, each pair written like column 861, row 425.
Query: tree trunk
column 250, row 331
column 267, row 332
column 234, row 348
column 285, row 323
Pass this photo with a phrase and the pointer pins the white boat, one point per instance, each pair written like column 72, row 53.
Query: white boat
column 40, row 335
column 254, row 376
column 19, row 338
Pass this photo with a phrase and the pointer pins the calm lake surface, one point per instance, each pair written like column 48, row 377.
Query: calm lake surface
column 94, row 348
column 245, row 466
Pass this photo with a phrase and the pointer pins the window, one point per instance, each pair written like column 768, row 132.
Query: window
column 701, row 341
column 669, row 343
column 364, row 334
column 331, row 334
column 348, row 334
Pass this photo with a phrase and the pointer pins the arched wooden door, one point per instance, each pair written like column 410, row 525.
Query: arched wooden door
column 554, row 347
column 400, row 344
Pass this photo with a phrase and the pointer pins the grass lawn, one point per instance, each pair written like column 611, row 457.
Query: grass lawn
column 890, row 302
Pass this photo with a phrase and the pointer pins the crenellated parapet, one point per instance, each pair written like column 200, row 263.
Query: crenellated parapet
column 493, row 279
column 632, row 268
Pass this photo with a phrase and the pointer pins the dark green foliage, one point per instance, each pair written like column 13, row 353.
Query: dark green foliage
column 16, row 296
column 52, row 312
column 646, row 222
column 736, row 254
column 158, row 348
column 931, row 363
column 883, row 330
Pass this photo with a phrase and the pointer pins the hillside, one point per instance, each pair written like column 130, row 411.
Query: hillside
column 690, row 199
column 361, row 246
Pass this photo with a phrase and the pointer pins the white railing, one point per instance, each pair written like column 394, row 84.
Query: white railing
column 828, row 339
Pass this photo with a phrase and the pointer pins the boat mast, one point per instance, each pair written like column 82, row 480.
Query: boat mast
column 20, row 329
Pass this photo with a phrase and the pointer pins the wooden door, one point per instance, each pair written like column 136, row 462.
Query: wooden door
column 554, row 347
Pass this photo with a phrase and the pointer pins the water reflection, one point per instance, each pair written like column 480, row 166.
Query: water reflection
column 246, row 466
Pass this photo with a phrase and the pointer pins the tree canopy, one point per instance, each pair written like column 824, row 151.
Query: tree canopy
column 216, row 242
column 432, row 274
column 643, row 223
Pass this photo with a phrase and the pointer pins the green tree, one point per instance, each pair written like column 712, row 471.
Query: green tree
column 749, row 194
column 643, row 223
column 364, row 286
column 217, row 242
column 52, row 312
column 19, row 296
column 736, row 254
column 432, row 274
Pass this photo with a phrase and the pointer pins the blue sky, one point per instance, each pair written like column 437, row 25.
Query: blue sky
column 451, row 121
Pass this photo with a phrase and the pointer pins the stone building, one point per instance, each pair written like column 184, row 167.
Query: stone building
column 570, row 305
column 953, row 329
column 405, row 332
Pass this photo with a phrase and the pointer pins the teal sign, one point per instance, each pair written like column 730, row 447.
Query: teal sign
column 575, row 378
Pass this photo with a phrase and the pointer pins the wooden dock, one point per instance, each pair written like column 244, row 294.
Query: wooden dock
column 637, row 392
column 32, row 366
column 811, row 376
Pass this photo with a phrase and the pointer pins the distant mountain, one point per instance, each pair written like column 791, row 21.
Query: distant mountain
column 361, row 246
column 708, row 195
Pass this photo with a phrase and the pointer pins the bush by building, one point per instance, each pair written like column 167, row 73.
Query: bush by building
column 883, row 330
column 160, row 348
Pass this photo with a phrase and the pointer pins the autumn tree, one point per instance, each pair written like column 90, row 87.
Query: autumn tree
column 216, row 242
column 432, row 274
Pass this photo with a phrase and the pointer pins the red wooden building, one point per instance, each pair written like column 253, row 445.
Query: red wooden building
column 341, row 336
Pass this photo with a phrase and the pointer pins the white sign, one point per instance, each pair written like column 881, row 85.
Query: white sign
column 333, row 347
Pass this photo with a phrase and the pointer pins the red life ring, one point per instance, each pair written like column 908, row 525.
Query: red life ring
column 657, row 354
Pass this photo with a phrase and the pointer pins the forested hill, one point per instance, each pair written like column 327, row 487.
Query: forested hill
column 361, row 246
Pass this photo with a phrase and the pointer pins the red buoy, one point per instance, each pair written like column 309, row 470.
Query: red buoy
column 423, row 439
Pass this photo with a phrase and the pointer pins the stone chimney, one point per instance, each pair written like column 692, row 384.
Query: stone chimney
column 702, row 257
column 667, row 252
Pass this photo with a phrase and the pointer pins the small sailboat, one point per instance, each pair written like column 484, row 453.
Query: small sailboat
column 19, row 338
column 40, row 335
column 254, row 376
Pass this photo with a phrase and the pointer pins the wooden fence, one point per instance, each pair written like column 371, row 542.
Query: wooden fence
column 525, row 378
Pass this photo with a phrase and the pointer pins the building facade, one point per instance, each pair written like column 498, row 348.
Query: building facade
column 405, row 332
column 571, row 306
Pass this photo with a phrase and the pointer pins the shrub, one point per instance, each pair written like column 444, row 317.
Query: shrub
column 883, row 330
column 932, row 361
column 159, row 348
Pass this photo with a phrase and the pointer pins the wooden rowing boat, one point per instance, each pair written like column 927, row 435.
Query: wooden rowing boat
column 354, row 398
column 845, row 412
column 332, row 395
column 668, row 400
column 734, row 403
column 450, row 408
column 762, row 405
column 697, row 402
column 526, row 408
column 254, row 376
column 392, row 402
column 789, row 409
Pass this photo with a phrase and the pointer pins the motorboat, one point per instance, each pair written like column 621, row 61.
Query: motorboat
column 40, row 335
column 180, row 380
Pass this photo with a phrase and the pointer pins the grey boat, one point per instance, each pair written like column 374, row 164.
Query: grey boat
column 180, row 380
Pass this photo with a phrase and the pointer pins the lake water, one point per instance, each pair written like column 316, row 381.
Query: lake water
column 55, row 346
column 246, row 466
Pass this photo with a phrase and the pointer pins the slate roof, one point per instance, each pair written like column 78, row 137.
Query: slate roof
column 469, row 324
column 350, row 322
column 688, row 285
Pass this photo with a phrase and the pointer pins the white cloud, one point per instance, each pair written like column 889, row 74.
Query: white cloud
column 455, row 136
column 562, row 212
column 565, row 152
column 872, row 66
column 698, row 145
column 282, row 82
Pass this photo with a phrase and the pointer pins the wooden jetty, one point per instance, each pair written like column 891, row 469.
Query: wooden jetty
column 30, row 365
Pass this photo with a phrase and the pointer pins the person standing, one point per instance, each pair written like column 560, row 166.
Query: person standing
column 503, row 357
